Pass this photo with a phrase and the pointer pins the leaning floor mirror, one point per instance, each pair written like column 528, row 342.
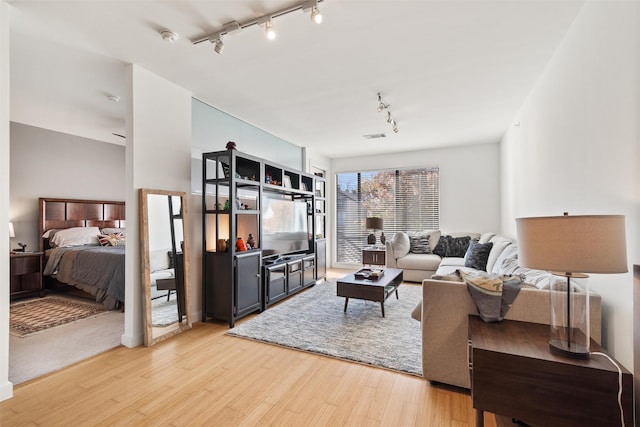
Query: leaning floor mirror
column 164, row 254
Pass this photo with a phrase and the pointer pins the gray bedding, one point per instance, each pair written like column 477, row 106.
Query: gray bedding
column 95, row 269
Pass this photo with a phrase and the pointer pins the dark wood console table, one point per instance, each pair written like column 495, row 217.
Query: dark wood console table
column 513, row 373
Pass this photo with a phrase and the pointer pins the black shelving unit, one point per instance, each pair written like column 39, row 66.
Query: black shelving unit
column 238, row 282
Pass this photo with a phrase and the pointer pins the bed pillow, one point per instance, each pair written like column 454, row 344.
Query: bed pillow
column 112, row 230
column 75, row 236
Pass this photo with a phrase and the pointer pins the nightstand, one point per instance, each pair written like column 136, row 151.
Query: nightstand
column 374, row 256
column 515, row 374
column 26, row 274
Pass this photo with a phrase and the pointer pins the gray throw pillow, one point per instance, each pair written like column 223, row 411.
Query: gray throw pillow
column 477, row 255
column 457, row 246
column 419, row 244
column 441, row 247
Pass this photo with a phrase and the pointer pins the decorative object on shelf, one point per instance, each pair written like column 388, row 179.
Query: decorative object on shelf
column 267, row 179
column 222, row 245
column 287, row 182
column 251, row 243
column 383, row 238
column 238, row 203
column 569, row 246
column 227, row 206
column 231, row 145
column 240, row 246
column 373, row 223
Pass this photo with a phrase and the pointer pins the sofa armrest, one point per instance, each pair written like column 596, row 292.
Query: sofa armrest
column 391, row 259
column 445, row 309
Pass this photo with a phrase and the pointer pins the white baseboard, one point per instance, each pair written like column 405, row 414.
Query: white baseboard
column 6, row 391
column 132, row 341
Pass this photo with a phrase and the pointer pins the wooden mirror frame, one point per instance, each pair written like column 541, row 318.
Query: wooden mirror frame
column 149, row 338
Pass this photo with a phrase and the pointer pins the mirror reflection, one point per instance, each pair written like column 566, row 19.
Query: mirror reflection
column 165, row 271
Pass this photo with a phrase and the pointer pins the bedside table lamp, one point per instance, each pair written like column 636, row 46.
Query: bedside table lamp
column 374, row 224
column 569, row 246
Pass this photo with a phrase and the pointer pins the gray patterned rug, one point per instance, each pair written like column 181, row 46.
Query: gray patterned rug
column 314, row 321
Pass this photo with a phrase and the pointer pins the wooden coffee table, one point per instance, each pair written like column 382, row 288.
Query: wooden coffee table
column 370, row 290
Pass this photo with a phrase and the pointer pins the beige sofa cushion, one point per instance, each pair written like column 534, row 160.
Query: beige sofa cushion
column 500, row 242
column 419, row 262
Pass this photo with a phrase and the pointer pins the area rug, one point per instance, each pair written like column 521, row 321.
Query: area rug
column 163, row 312
column 33, row 316
column 314, row 321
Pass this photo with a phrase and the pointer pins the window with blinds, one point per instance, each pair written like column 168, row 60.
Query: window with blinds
column 406, row 200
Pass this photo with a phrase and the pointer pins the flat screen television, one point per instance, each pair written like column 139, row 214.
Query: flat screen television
column 284, row 226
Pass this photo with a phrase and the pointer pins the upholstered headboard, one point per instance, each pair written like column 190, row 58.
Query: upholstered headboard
column 67, row 213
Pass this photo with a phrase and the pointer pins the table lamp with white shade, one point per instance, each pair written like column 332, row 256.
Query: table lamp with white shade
column 569, row 246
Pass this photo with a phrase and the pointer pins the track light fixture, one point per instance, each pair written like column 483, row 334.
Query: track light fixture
column 384, row 106
column 316, row 16
column 267, row 19
column 219, row 45
column 268, row 27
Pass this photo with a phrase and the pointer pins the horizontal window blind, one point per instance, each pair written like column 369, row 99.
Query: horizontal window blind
column 406, row 200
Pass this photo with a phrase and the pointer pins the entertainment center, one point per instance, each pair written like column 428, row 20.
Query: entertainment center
column 263, row 233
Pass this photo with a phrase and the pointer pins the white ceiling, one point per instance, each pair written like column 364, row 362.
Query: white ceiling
column 454, row 72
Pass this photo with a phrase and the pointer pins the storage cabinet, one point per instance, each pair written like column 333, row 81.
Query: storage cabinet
column 309, row 270
column 372, row 256
column 231, row 211
column 26, row 274
column 240, row 195
column 294, row 276
column 275, row 283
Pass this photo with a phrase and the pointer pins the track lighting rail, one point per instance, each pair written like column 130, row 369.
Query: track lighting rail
column 232, row 27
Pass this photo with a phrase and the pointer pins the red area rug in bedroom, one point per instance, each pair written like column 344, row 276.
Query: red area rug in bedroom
column 33, row 316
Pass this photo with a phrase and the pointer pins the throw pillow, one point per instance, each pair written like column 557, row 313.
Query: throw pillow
column 400, row 244
column 457, row 246
column 441, row 247
column 419, row 244
column 104, row 239
column 477, row 255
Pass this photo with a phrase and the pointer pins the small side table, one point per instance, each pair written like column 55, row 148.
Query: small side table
column 374, row 256
column 514, row 373
column 26, row 274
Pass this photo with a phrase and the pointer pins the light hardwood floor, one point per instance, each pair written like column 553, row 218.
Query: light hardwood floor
column 203, row 377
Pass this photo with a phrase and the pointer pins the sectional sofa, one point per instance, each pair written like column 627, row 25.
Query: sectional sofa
column 446, row 302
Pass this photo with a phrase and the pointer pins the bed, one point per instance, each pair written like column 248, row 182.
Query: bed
column 75, row 256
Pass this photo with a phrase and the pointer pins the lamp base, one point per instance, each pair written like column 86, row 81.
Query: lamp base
column 576, row 351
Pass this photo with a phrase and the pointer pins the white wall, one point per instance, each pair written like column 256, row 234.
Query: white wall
column 469, row 183
column 6, row 388
column 158, row 156
column 45, row 163
column 577, row 146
